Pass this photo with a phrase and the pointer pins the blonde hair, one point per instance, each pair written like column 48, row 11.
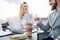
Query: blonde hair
column 21, row 11
column 21, row 14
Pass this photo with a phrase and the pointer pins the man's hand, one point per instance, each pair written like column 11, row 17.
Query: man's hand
column 36, row 18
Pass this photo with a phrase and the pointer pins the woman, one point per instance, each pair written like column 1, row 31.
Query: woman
column 18, row 23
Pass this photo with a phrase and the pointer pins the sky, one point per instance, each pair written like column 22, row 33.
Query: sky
column 10, row 8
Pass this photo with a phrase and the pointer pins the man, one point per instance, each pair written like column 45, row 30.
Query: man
column 53, row 21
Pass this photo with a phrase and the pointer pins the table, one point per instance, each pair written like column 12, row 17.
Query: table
column 41, row 34
column 34, row 37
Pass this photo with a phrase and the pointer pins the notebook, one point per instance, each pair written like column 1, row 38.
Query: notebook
column 3, row 33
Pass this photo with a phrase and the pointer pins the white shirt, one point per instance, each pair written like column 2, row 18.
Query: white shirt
column 17, row 25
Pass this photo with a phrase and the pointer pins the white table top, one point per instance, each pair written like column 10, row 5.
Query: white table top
column 34, row 37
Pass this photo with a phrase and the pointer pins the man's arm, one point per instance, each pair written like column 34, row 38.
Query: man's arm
column 57, row 22
column 44, row 27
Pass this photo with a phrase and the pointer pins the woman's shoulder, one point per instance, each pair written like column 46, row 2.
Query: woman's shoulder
column 29, row 14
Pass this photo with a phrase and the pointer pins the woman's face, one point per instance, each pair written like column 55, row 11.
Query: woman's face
column 25, row 8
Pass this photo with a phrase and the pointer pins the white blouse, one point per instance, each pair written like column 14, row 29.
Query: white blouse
column 17, row 24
